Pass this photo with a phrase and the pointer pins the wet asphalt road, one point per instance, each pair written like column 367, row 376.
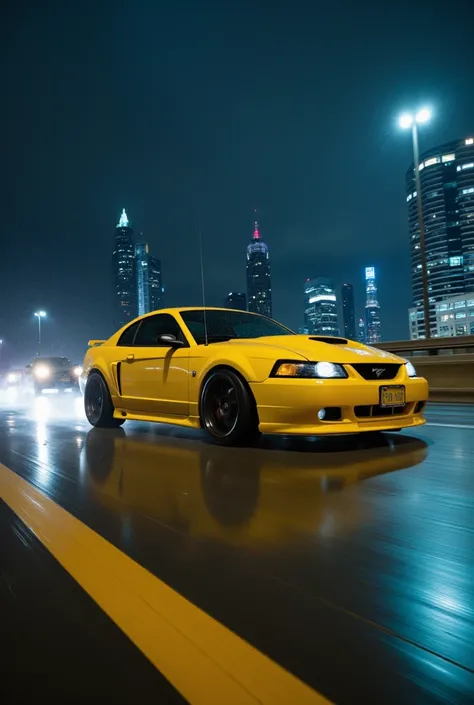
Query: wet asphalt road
column 349, row 561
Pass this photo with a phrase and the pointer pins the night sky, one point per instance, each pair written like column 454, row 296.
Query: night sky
column 198, row 111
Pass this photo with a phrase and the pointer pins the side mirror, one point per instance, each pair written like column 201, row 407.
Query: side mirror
column 170, row 340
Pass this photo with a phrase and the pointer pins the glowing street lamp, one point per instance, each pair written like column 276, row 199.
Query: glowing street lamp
column 407, row 120
column 39, row 315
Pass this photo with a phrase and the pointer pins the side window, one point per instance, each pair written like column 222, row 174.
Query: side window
column 153, row 326
column 129, row 334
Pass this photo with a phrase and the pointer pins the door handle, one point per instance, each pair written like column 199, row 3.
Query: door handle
column 130, row 357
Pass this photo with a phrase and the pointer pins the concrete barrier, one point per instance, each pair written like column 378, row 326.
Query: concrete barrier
column 447, row 364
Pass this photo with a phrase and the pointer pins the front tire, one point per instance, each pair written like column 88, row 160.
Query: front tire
column 98, row 404
column 228, row 410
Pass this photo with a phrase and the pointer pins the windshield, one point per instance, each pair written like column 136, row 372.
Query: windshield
column 58, row 362
column 226, row 325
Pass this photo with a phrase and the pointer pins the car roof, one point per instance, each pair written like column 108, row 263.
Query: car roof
column 182, row 309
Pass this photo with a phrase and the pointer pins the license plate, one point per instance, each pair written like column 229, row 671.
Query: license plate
column 64, row 379
column 393, row 395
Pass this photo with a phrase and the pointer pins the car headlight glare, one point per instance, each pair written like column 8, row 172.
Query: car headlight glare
column 12, row 377
column 42, row 372
column 411, row 372
column 309, row 370
column 78, row 370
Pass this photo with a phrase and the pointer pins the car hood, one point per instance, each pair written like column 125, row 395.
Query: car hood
column 311, row 348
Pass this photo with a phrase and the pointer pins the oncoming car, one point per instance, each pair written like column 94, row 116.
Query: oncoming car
column 13, row 379
column 53, row 374
column 236, row 374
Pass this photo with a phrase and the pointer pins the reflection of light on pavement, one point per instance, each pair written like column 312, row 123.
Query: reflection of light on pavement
column 41, row 410
column 43, row 474
column 58, row 408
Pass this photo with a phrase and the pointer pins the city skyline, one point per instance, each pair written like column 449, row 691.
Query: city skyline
column 328, row 181
column 138, row 285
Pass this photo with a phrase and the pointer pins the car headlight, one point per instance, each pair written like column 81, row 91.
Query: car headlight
column 411, row 372
column 42, row 372
column 78, row 370
column 308, row 370
column 12, row 377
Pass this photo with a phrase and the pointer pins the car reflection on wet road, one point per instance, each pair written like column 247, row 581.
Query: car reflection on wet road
column 349, row 561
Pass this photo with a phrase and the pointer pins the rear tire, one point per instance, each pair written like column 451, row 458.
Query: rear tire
column 98, row 404
column 228, row 410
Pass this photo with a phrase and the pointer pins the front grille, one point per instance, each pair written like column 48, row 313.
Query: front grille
column 375, row 371
column 364, row 412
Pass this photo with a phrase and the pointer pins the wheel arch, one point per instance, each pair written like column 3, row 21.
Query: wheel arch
column 230, row 368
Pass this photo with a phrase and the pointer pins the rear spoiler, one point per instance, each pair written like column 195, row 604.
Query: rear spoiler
column 93, row 343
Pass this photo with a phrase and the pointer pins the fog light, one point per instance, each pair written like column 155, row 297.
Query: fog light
column 321, row 414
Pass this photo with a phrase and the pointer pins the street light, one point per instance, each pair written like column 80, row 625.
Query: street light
column 39, row 315
column 406, row 121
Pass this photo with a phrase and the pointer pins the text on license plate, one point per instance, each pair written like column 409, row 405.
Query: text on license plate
column 392, row 396
column 64, row 379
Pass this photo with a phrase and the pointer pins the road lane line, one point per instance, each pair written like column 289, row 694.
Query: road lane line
column 206, row 662
column 449, row 425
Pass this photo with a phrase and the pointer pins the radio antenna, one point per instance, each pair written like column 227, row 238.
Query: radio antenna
column 203, row 290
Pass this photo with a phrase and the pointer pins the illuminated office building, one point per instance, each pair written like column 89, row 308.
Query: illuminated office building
column 348, row 312
column 361, row 334
column 143, row 287
column 259, row 285
column 124, row 271
column 372, row 308
column 155, row 284
column 453, row 316
column 447, row 193
column 320, row 307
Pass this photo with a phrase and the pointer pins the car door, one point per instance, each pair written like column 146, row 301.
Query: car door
column 153, row 377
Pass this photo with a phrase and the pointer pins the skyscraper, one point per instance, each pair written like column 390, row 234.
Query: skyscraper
column 348, row 313
column 372, row 308
column 361, row 336
column 320, row 312
column 143, row 287
column 155, row 282
column 259, row 286
column 124, row 271
column 447, row 192
column 236, row 300
column 149, row 284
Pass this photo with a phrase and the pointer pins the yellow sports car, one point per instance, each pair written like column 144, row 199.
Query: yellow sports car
column 237, row 374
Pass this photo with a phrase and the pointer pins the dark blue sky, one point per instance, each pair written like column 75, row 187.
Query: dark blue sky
column 214, row 108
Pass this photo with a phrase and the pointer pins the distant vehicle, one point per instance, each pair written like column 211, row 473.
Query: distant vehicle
column 13, row 379
column 236, row 374
column 52, row 374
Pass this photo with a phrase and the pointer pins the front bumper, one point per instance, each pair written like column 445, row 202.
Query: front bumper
column 290, row 406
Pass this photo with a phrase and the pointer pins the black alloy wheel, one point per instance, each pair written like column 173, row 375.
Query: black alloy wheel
column 98, row 404
column 228, row 410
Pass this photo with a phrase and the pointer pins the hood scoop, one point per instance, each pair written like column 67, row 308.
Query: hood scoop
column 329, row 340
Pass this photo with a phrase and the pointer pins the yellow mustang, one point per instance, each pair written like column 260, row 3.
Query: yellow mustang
column 237, row 374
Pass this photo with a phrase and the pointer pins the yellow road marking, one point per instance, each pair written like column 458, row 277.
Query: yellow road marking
column 206, row 662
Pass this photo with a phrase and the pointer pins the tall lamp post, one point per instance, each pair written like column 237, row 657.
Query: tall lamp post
column 406, row 121
column 39, row 315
